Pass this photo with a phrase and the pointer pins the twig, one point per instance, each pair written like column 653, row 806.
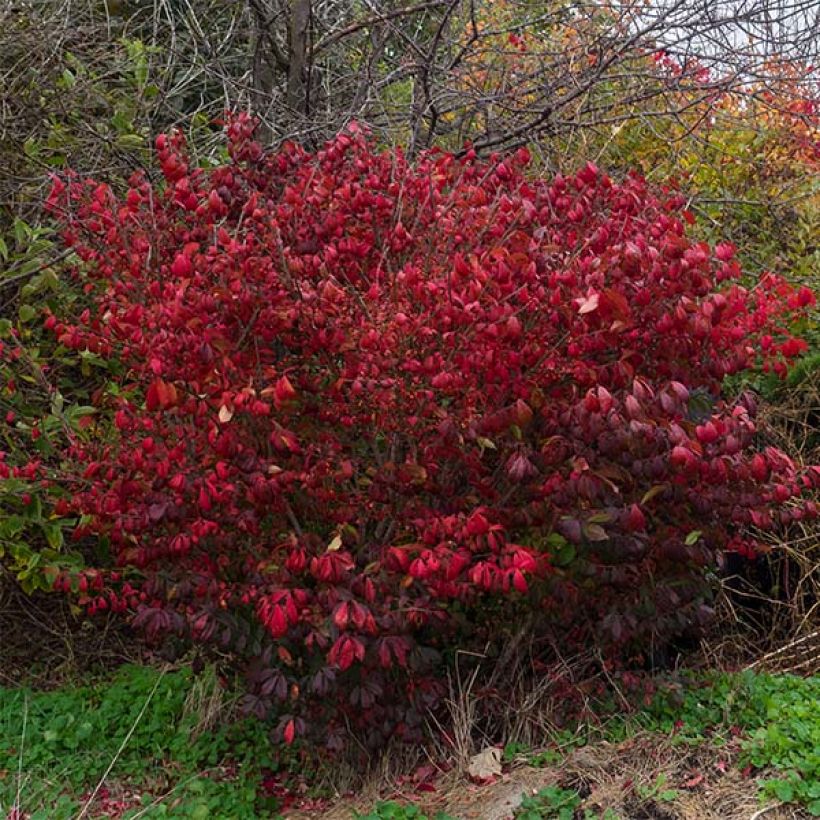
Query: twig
column 125, row 740
column 20, row 755
column 764, row 810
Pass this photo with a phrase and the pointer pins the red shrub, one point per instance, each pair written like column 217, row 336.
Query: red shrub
column 370, row 406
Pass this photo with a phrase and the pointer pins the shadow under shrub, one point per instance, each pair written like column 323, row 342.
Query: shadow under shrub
column 774, row 598
column 370, row 409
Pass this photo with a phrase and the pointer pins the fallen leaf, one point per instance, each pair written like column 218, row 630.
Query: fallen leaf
column 486, row 764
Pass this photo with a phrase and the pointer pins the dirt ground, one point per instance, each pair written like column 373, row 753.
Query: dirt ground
column 644, row 778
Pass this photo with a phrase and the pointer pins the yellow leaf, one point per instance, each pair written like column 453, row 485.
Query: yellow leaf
column 652, row 492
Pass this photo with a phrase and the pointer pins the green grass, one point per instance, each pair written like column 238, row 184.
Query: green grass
column 777, row 715
column 133, row 730
column 56, row 746
column 777, row 718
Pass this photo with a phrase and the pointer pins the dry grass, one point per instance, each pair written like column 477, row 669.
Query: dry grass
column 628, row 778
column 769, row 618
column 800, row 656
column 515, row 696
column 208, row 700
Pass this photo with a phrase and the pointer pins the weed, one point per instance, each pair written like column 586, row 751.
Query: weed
column 390, row 810
column 550, row 803
column 59, row 750
column 777, row 716
column 657, row 791
column 158, row 734
column 558, row 745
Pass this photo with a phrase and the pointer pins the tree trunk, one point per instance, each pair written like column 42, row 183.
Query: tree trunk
column 297, row 97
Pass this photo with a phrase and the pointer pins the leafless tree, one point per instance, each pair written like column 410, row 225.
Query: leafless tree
column 452, row 70
column 421, row 72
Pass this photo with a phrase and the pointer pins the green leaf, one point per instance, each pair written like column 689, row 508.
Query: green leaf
column 123, row 123
column 130, row 141
column 22, row 232
column 784, row 790
column 652, row 492
column 27, row 267
column 54, row 534
column 26, row 313
column 77, row 412
column 32, row 287
column 50, row 278
column 31, row 148
column 564, row 555
column 141, row 71
column 34, row 511
column 693, row 537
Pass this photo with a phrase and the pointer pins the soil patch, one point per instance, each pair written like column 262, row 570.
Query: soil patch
column 648, row 777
